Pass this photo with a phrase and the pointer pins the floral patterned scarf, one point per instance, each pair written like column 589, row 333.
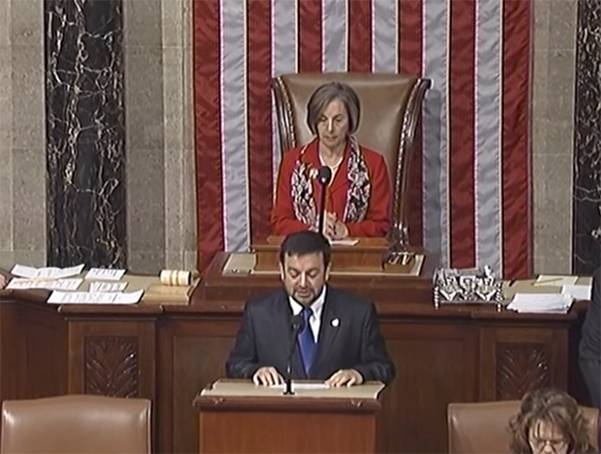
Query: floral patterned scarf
column 357, row 196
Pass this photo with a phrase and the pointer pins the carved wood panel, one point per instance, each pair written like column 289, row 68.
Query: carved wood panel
column 521, row 367
column 111, row 366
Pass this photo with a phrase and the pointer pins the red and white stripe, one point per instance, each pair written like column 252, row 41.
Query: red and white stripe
column 471, row 178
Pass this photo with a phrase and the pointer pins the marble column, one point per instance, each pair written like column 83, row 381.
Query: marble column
column 587, row 153
column 554, row 56
column 85, row 121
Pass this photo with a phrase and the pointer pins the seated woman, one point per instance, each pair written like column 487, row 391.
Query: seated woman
column 549, row 421
column 358, row 196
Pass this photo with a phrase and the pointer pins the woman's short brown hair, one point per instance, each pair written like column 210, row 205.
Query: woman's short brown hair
column 553, row 407
column 324, row 95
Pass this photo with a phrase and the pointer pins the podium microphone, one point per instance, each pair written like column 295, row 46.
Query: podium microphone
column 297, row 325
column 324, row 175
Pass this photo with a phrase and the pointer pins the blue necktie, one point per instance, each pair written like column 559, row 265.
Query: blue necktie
column 307, row 344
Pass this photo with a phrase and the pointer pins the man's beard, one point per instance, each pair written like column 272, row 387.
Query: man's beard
column 307, row 299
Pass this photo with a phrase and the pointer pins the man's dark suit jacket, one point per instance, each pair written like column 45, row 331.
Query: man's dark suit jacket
column 264, row 339
column 590, row 344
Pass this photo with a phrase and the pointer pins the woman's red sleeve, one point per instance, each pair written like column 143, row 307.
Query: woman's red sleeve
column 283, row 220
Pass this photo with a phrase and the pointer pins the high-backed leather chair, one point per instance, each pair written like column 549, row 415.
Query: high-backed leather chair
column 76, row 424
column 483, row 427
column 390, row 110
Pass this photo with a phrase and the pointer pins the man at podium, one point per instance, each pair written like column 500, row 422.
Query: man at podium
column 309, row 329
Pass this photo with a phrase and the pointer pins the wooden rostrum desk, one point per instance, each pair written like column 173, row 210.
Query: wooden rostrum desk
column 238, row 416
column 170, row 352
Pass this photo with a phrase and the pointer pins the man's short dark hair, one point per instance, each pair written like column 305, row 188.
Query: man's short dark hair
column 305, row 242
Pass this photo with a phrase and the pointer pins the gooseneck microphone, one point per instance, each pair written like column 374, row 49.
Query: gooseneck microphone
column 324, row 175
column 297, row 325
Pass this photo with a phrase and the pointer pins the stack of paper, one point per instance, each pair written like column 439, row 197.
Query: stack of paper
column 578, row 292
column 55, row 279
column 543, row 303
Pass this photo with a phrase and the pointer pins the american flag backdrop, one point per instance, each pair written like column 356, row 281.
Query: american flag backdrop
column 472, row 191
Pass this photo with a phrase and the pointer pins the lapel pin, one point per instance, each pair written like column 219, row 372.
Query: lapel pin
column 335, row 323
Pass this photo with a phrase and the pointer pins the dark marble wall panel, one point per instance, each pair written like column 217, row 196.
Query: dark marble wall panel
column 85, row 132
column 587, row 149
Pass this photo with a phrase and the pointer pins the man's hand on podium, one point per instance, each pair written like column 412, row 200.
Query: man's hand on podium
column 345, row 377
column 267, row 376
column 2, row 281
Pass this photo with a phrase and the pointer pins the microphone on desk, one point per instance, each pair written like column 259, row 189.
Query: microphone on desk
column 324, row 175
column 297, row 325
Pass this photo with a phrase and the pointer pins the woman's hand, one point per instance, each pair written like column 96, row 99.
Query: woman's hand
column 329, row 225
column 333, row 228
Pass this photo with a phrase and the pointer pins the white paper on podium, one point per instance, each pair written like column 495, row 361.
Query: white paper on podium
column 47, row 272
column 300, row 386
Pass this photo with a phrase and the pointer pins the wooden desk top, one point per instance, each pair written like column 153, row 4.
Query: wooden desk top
column 217, row 286
column 225, row 295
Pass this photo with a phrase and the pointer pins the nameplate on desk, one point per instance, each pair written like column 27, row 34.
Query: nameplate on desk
column 240, row 263
column 105, row 274
column 18, row 283
column 46, row 272
column 95, row 297
column 107, row 286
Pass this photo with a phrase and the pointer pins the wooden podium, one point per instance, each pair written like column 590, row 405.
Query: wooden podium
column 238, row 417
column 358, row 255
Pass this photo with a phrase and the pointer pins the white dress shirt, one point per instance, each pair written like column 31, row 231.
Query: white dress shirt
column 316, row 307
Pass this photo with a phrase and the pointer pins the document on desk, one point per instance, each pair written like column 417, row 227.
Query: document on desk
column 347, row 242
column 578, row 292
column 302, row 386
column 95, row 297
column 46, row 272
column 246, row 388
column 104, row 274
column 107, row 286
column 553, row 280
column 19, row 283
column 541, row 303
